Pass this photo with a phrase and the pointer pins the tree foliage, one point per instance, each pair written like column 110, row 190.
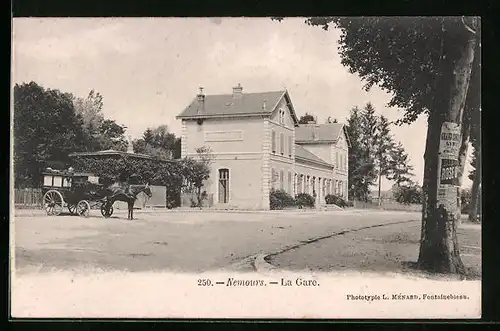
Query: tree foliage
column 361, row 166
column 100, row 133
column 401, row 171
column 408, row 194
column 306, row 119
column 404, row 56
column 158, row 142
column 197, row 171
column 373, row 152
column 46, row 128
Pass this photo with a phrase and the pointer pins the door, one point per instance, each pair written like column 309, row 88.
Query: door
column 223, row 185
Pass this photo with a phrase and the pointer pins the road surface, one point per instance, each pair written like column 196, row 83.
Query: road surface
column 182, row 241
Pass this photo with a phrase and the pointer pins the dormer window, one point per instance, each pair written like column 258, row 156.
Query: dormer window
column 282, row 116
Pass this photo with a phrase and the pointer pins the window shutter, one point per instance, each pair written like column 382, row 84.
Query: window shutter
column 282, row 143
column 290, row 142
column 273, row 138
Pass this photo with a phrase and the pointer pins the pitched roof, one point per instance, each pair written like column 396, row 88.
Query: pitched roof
column 303, row 153
column 318, row 133
column 248, row 104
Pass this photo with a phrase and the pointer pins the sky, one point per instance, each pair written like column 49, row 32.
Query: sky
column 149, row 69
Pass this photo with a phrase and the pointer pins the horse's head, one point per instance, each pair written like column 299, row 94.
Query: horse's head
column 147, row 190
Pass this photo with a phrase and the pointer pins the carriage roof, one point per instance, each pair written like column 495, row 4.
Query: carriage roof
column 67, row 173
column 65, row 178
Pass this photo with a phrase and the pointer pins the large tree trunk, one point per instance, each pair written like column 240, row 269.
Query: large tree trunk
column 475, row 191
column 439, row 250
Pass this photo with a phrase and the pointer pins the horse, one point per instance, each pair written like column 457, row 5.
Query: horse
column 126, row 193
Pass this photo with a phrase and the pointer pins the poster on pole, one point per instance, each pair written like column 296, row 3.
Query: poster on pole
column 448, row 169
column 449, row 143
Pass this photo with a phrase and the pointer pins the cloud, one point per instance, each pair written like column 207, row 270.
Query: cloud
column 87, row 43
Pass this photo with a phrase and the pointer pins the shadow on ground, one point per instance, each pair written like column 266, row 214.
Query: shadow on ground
column 387, row 249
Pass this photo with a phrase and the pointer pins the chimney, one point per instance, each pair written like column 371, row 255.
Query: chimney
column 237, row 91
column 201, row 101
column 264, row 105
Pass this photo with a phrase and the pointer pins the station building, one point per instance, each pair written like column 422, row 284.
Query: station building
column 258, row 145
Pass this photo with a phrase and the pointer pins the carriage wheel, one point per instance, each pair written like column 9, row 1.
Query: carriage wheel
column 53, row 202
column 72, row 209
column 106, row 211
column 83, row 208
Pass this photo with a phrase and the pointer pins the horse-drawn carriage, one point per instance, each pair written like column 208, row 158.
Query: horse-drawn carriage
column 78, row 192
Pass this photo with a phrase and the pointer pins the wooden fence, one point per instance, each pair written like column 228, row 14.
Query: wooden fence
column 28, row 197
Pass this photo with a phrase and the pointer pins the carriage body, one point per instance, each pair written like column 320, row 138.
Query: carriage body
column 75, row 191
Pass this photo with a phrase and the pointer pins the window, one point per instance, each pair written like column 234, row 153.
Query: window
column 298, row 189
column 47, row 180
column 336, row 160
column 273, row 139
column 282, row 179
column 345, row 163
column 57, row 181
column 273, row 178
column 290, row 142
column 282, row 116
column 223, row 185
column 282, row 143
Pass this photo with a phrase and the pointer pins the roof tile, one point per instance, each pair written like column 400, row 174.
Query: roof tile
column 318, row 132
column 305, row 154
column 226, row 104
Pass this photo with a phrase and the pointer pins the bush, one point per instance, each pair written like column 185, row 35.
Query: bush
column 332, row 199
column 279, row 199
column 408, row 194
column 304, row 200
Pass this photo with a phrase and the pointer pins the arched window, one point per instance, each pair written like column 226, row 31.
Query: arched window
column 223, row 185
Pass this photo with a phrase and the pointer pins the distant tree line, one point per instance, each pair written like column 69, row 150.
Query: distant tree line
column 374, row 153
